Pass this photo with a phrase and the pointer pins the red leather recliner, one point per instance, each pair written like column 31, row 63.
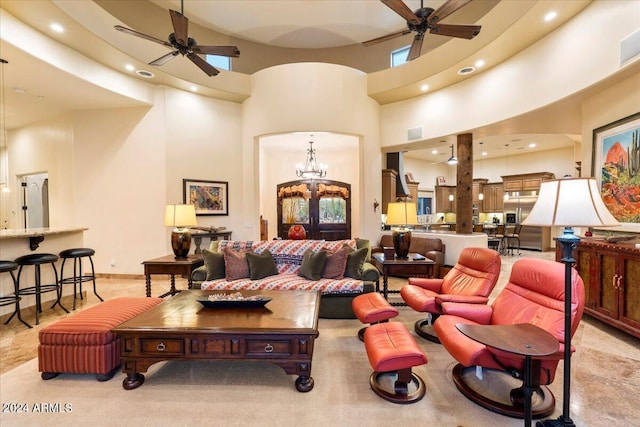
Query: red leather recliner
column 471, row 280
column 534, row 294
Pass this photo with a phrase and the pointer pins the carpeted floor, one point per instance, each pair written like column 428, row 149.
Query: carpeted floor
column 605, row 382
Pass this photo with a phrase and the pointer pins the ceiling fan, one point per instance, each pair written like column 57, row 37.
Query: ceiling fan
column 184, row 45
column 426, row 19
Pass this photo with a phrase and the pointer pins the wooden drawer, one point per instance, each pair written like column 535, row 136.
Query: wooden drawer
column 159, row 346
column 268, row 347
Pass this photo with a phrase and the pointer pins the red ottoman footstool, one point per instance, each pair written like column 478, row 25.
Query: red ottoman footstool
column 83, row 342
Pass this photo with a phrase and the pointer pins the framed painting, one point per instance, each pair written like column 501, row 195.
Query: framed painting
column 209, row 197
column 616, row 167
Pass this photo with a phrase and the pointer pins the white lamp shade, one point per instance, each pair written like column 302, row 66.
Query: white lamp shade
column 570, row 202
column 180, row 216
column 402, row 213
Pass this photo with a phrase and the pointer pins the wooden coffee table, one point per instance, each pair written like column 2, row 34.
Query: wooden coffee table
column 282, row 333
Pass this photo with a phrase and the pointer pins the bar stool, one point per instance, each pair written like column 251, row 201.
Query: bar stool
column 77, row 254
column 9, row 267
column 38, row 289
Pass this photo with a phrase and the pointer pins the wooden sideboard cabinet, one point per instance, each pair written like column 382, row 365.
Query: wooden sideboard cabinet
column 611, row 275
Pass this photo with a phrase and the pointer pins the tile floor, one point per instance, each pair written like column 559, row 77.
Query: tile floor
column 605, row 367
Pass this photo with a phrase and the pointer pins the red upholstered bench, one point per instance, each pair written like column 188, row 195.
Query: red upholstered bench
column 372, row 308
column 392, row 352
column 83, row 342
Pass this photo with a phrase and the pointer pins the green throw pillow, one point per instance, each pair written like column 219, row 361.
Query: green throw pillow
column 364, row 243
column 355, row 260
column 261, row 265
column 312, row 265
column 214, row 263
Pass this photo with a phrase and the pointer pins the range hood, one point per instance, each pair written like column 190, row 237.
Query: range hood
column 395, row 161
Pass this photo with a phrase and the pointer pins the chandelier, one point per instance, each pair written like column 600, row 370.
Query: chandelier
column 311, row 168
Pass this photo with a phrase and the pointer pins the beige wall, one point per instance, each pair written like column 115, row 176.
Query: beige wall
column 553, row 68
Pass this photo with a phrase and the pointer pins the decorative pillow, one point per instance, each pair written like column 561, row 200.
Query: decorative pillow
column 235, row 264
column 214, row 263
column 336, row 263
column 312, row 265
column 261, row 265
column 355, row 260
column 364, row 243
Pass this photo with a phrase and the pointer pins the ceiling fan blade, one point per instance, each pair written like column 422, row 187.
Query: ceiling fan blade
column 402, row 9
column 462, row 31
column 416, row 47
column 209, row 69
column 180, row 27
column 385, row 38
column 446, row 9
column 217, row 50
column 164, row 58
column 141, row 35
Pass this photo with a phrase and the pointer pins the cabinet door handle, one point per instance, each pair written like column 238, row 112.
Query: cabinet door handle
column 619, row 285
column 613, row 281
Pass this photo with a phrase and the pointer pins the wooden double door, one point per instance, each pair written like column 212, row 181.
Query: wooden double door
column 321, row 206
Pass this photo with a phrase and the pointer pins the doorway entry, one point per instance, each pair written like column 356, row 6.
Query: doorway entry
column 322, row 207
column 35, row 200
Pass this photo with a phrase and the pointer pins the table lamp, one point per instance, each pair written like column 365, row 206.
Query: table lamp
column 401, row 214
column 568, row 202
column 180, row 217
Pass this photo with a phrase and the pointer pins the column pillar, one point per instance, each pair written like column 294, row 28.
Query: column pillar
column 464, row 184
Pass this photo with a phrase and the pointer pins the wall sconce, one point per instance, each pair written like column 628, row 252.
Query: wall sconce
column 375, row 205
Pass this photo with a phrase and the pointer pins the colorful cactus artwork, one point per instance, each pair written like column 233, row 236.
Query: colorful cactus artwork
column 621, row 174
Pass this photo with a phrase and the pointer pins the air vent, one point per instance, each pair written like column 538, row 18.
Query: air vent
column 146, row 74
column 414, row 133
column 630, row 47
column 466, row 70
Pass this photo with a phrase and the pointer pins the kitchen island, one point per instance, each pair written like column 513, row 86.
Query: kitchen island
column 15, row 243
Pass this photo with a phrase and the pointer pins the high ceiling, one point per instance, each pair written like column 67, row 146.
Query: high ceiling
column 290, row 28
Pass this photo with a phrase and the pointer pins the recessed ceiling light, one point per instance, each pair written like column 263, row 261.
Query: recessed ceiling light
column 424, row 88
column 532, row 145
column 193, row 89
column 129, row 67
column 19, row 90
column 146, row 74
column 40, row 97
column 57, row 27
column 479, row 63
column 466, row 70
column 550, row 16
column 484, row 153
column 434, row 151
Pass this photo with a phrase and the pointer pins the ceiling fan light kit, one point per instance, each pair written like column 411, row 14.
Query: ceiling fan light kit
column 427, row 19
column 184, row 45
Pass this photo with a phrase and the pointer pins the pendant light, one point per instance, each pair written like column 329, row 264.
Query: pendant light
column 452, row 160
column 506, row 170
column 481, row 194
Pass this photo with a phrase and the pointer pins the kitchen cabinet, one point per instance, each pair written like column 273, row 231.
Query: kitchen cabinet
column 611, row 275
column 493, row 197
column 526, row 181
column 443, row 202
column 476, row 189
column 413, row 189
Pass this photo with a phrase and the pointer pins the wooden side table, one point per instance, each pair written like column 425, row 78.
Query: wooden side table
column 409, row 266
column 523, row 338
column 170, row 265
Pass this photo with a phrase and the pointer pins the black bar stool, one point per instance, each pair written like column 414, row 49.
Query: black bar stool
column 10, row 267
column 77, row 254
column 38, row 289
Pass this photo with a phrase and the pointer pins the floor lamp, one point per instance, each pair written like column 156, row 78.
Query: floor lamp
column 568, row 202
